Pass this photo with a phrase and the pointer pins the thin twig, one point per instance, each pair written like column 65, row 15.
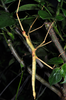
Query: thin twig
column 41, row 93
column 45, row 36
column 46, row 83
column 39, row 78
column 55, row 40
column 9, row 84
column 4, row 6
column 21, row 88
column 14, row 52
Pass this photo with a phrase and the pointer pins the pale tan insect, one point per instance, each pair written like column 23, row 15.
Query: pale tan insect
column 34, row 56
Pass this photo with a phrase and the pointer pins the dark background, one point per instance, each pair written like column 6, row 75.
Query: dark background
column 7, row 75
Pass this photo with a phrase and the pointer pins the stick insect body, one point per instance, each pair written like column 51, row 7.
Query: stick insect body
column 34, row 56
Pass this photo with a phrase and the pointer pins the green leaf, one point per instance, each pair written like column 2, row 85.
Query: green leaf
column 59, row 17
column 21, row 65
column 65, row 45
column 63, row 70
column 59, row 0
column 55, row 60
column 28, row 7
column 6, row 19
column 64, row 11
column 39, row 1
column 64, row 80
column 50, row 9
column 8, row 1
column 55, row 76
column 11, row 61
column 44, row 14
column 43, row 3
column 64, row 24
column 11, row 35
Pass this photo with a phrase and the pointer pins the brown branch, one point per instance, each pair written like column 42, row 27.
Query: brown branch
column 2, row 1
column 60, row 49
column 14, row 52
column 55, row 40
column 29, row 70
column 46, row 83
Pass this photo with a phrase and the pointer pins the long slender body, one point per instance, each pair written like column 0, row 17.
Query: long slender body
column 34, row 57
column 33, row 53
column 33, row 62
column 33, row 73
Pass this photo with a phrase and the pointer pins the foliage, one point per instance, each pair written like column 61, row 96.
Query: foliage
column 55, row 76
column 28, row 12
column 6, row 17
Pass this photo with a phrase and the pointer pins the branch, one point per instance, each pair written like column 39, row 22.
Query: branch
column 4, row 6
column 14, row 52
column 60, row 49
column 21, row 87
column 29, row 70
column 46, row 83
column 10, row 84
column 55, row 40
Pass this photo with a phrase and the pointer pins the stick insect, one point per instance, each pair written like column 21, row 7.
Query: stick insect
column 34, row 56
